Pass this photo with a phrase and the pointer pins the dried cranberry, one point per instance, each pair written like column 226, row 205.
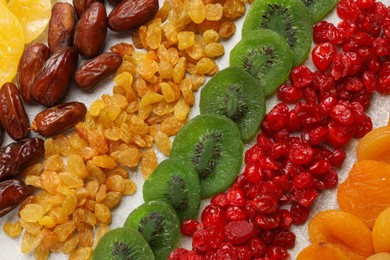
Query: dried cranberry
column 326, row 105
column 370, row 80
column 227, row 251
column 300, row 154
column 257, row 247
column 348, row 10
column 299, row 213
column 381, row 47
column 325, row 32
column 253, row 173
column 340, row 66
column 178, row 253
column 302, row 76
column 252, row 155
column 338, row 135
column 234, row 213
column 319, row 167
column 269, row 221
column 337, row 157
column 364, row 127
column 265, row 205
column 286, row 219
column 207, row 239
column 317, row 135
column 322, row 55
column 189, row 227
column 220, row 200
column 365, row 4
column 238, row 232
column 235, row 197
column 303, row 180
column 244, row 252
column 277, row 117
column 289, row 93
column 285, row 239
column 342, row 115
column 213, row 215
column 384, row 84
column 277, row 253
column 305, row 196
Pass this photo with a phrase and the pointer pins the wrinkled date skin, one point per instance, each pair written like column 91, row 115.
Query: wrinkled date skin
column 114, row 2
column 1, row 134
column 57, row 119
column 12, row 193
column 81, row 5
column 130, row 14
column 61, row 26
column 13, row 116
column 91, row 31
column 52, row 82
column 16, row 156
column 34, row 57
column 95, row 70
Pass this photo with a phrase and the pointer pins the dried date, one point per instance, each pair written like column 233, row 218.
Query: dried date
column 130, row 14
column 61, row 26
column 16, row 156
column 13, row 116
column 12, row 193
column 96, row 69
column 34, row 57
column 52, row 82
column 59, row 118
column 81, row 5
column 91, row 31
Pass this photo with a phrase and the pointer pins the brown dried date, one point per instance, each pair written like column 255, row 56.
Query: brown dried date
column 91, row 31
column 16, row 156
column 13, row 116
column 81, row 5
column 34, row 57
column 61, row 26
column 12, row 193
column 96, row 69
column 130, row 14
column 59, row 118
column 114, row 2
column 52, row 82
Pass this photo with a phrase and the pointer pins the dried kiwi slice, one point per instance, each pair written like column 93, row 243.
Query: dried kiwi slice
column 233, row 93
column 318, row 9
column 176, row 182
column 266, row 56
column 289, row 18
column 122, row 243
column 158, row 223
column 212, row 144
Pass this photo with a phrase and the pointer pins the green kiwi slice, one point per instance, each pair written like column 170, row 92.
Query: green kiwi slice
column 122, row 243
column 176, row 182
column 289, row 18
column 318, row 9
column 158, row 223
column 266, row 56
column 233, row 93
column 212, row 144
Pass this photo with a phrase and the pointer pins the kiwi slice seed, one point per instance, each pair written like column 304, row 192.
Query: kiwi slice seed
column 318, row 9
column 158, row 223
column 212, row 144
column 289, row 18
column 122, row 243
column 175, row 182
column 233, row 93
column 266, row 56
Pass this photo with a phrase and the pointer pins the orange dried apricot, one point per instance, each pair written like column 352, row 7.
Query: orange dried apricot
column 375, row 145
column 366, row 192
column 379, row 256
column 326, row 251
column 343, row 229
column 381, row 232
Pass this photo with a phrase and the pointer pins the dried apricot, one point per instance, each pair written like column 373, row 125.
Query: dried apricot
column 343, row 229
column 366, row 192
column 325, row 251
column 381, row 232
column 379, row 256
column 375, row 145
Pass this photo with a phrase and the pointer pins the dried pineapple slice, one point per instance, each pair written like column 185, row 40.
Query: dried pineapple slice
column 34, row 15
column 11, row 44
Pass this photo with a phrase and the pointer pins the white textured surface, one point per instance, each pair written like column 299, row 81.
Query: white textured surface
column 379, row 112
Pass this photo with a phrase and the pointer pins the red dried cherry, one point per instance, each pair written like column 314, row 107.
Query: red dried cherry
column 238, row 232
column 322, row 55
